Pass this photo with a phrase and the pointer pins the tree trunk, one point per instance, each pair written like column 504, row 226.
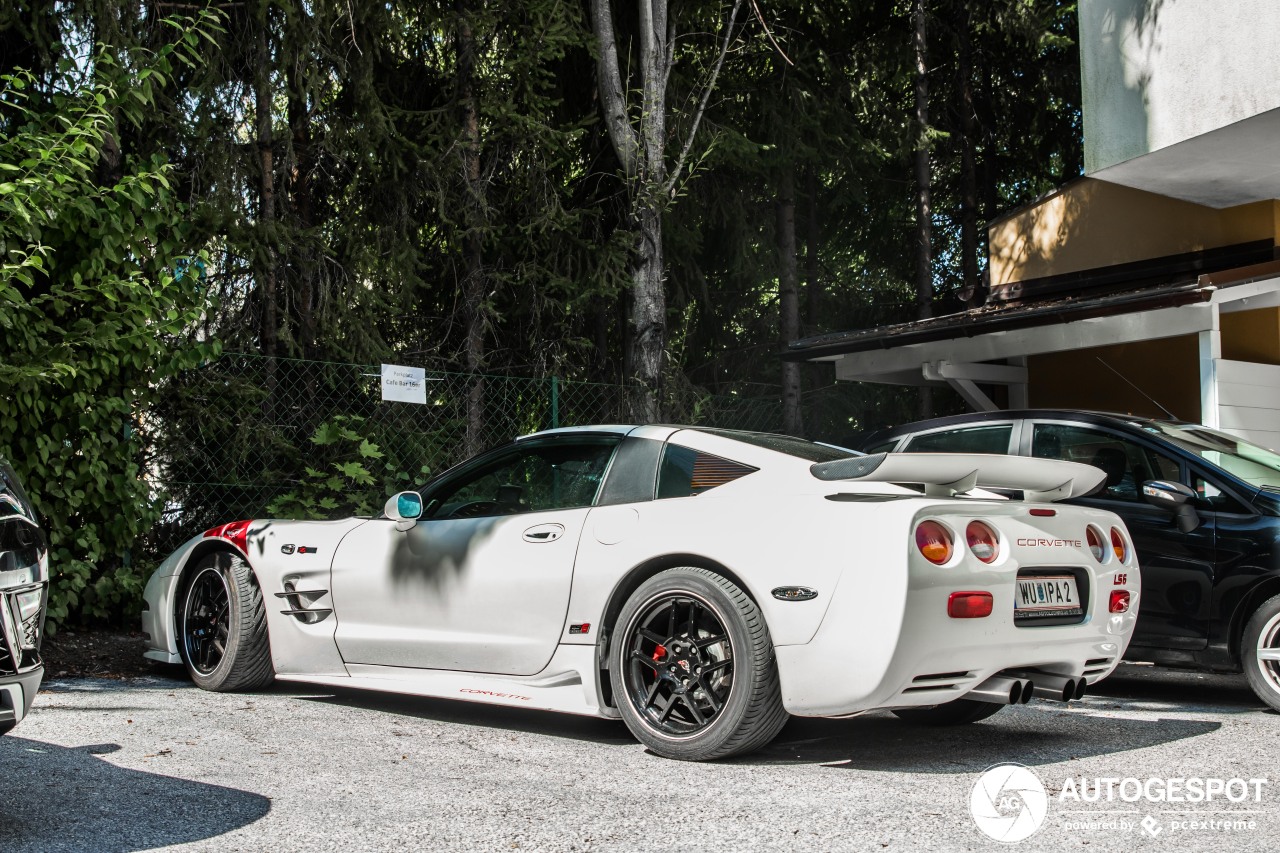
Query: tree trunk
column 813, row 236
column 267, row 322
column 473, row 286
column 970, row 285
column 788, row 297
column 305, row 265
column 648, row 318
column 924, row 213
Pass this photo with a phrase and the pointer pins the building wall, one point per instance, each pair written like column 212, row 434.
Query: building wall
column 1249, row 401
column 1157, row 72
column 1251, row 335
column 1167, row 370
column 1090, row 223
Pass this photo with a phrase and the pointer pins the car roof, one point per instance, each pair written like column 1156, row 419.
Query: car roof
column 1084, row 415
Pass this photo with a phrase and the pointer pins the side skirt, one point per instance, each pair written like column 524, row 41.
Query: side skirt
column 568, row 684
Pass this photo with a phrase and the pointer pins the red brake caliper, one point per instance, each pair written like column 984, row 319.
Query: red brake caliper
column 660, row 652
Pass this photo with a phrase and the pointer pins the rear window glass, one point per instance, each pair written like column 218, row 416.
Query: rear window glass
column 809, row 450
column 684, row 472
column 983, row 439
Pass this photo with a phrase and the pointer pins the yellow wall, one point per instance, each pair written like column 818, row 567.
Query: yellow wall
column 1091, row 223
column 1167, row 369
column 1251, row 335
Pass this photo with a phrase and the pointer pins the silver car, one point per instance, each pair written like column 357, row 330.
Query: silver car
column 24, row 593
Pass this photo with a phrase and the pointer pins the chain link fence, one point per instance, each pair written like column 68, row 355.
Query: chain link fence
column 245, row 432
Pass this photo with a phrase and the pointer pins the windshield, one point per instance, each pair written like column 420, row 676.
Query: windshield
column 1249, row 462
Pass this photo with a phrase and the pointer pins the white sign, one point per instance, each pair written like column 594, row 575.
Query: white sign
column 404, row 384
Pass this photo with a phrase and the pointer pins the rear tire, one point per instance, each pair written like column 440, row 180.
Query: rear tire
column 5, row 728
column 957, row 712
column 693, row 670
column 222, row 626
column 1260, row 652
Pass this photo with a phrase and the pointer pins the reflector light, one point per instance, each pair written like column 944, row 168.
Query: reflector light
column 1118, row 544
column 1119, row 601
column 983, row 541
column 1093, row 536
column 934, row 541
column 969, row 605
column 235, row 532
column 1044, row 513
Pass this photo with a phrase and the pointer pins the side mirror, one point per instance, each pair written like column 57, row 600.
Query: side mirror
column 1175, row 498
column 404, row 509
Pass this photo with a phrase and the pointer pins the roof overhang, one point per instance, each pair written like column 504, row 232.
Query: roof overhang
column 922, row 352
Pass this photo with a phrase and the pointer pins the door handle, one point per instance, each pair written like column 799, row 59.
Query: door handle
column 544, row 533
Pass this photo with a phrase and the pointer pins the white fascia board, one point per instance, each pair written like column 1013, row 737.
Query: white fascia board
column 1246, row 297
column 1036, row 340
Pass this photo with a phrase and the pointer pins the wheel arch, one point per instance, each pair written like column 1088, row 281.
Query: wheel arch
column 1263, row 589
column 183, row 573
column 630, row 582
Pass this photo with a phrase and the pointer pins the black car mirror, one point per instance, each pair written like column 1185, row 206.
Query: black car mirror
column 1175, row 498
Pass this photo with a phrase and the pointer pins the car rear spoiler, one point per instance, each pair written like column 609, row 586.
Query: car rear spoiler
column 947, row 474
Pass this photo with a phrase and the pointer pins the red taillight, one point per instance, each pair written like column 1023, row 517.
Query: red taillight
column 983, row 541
column 235, row 532
column 969, row 605
column 1119, row 601
column 934, row 541
column 1118, row 544
column 1096, row 546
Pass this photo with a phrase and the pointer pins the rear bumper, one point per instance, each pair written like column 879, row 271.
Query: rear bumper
column 927, row 658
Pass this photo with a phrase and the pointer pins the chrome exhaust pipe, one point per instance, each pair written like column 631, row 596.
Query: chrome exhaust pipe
column 1057, row 688
column 1002, row 689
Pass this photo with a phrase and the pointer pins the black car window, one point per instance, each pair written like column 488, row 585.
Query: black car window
column 529, row 478
column 1210, row 497
column 988, row 438
column 685, row 472
column 1127, row 464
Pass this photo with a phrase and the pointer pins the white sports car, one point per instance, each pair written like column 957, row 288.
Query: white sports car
column 699, row 584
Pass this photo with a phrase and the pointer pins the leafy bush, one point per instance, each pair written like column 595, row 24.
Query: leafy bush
column 99, row 292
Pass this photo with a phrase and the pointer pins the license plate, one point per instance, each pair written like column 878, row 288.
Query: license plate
column 1048, row 596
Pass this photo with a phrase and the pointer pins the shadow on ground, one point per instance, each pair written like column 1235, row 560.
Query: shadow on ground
column 69, row 799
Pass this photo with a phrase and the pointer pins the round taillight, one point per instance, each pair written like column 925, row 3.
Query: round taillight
column 934, row 541
column 1118, row 544
column 1097, row 548
column 983, row 541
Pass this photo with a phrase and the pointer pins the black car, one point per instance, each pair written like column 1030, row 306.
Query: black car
column 1203, row 508
column 24, row 592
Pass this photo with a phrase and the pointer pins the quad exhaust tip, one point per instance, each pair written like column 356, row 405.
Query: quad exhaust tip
column 1019, row 690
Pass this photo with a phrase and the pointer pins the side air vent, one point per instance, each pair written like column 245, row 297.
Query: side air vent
column 938, row 681
column 300, row 603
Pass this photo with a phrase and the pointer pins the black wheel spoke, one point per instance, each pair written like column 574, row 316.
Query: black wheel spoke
column 707, row 642
column 652, row 636
column 671, row 706
column 641, row 657
column 710, row 694
column 653, row 692
column 717, row 666
column 693, row 706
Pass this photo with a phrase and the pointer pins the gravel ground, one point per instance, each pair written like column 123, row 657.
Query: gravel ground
column 145, row 763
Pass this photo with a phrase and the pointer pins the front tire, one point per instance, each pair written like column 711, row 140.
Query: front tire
column 957, row 712
column 222, row 626
column 1260, row 652
column 693, row 669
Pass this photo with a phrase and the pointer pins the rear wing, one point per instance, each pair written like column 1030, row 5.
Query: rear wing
column 947, row 474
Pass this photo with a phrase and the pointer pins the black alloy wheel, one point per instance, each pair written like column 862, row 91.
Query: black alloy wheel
column 222, row 625
column 206, row 616
column 680, row 669
column 692, row 667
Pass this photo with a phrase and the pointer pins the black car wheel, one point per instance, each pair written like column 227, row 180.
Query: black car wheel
column 222, row 626
column 957, row 712
column 693, row 668
column 1260, row 651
